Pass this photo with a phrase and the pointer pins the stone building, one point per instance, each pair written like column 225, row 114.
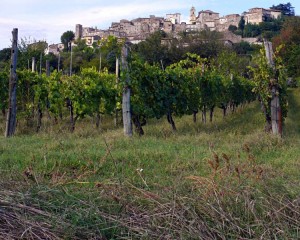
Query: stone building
column 167, row 26
column 78, row 31
column 174, row 18
column 92, row 35
column 139, row 29
column 179, row 28
column 55, row 48
column 135, row 30
column 229, row 20
column 211, row 20
column 258, row 15
column 207, row 19
column 204, row 20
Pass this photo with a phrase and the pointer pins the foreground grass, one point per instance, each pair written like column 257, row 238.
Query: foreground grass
column 225, row 179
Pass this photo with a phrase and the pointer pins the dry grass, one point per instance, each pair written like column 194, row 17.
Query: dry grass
column 236, row 201
column 21, row 221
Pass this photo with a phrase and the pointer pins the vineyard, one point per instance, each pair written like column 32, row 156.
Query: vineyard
column 188, row 87
column 202, row 162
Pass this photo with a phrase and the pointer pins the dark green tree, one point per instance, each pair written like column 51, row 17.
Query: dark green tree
column 204, row 43
column 4, row 78
column 66, row 38
column 53, row 61
column 232, row 28
column 5, row 54
column 252, row 30
column 151, row 50
column 5, row 58
column 242, row 23
column 244, row 48
column 286, row 9
column 29, row 49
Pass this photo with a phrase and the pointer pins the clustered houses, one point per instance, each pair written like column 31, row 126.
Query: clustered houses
column 135, row 30
column 139, row 29
column 211, row 20
column 92, row 35
column 54, row 48
column 258, row 15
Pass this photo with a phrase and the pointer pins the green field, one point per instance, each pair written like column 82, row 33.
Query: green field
column 221, row 180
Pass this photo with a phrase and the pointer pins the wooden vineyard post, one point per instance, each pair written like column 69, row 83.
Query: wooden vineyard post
column 47, row 68
column 12, row 100
column 276, row 116
column 117, row 82
column 71, row 60
column 126, row 94
column 33, row 65
column 41, row 59
column 58, row 63
column 48, row 75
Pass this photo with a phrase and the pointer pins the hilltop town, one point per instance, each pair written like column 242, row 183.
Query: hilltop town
column 139, row 29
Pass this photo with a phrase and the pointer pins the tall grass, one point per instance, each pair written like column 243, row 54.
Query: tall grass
column 221, row 180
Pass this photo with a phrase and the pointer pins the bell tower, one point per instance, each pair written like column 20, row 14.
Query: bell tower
column 78, row 31
column 193, row 15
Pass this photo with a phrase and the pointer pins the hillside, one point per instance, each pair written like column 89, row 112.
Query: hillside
column 226, row 179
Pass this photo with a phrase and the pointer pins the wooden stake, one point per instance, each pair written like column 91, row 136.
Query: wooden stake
column 117, row 81
column 47, row 68
column 58, row 62
column 71, row 61
column 12, row 101
column 126, row 94
column 41, row 59
column 33, row 65
column 276, row 116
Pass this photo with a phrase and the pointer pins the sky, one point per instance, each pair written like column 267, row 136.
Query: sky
column 49, row 19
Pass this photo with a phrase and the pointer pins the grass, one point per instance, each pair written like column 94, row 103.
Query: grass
column 220, row 180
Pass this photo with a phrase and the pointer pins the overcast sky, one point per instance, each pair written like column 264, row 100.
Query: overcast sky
column 48, row 19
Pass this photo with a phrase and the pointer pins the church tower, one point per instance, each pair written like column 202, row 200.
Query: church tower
column 78, row 31
column 193, row 15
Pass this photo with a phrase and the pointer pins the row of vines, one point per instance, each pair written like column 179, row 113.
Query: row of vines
column 191, row 86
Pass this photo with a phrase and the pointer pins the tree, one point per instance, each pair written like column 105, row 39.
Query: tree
column 66, row 38
column 53, row 61
column 29, row 49
column 286, row 9
column 244, row 48
column 110, row 48
column 83, row 56
column 4, row 77
column 151, row 50
column 204, row 43
column 232, row 28
column 252, row 30
column 242, row 25
column 289, row 37
column 5, row 57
